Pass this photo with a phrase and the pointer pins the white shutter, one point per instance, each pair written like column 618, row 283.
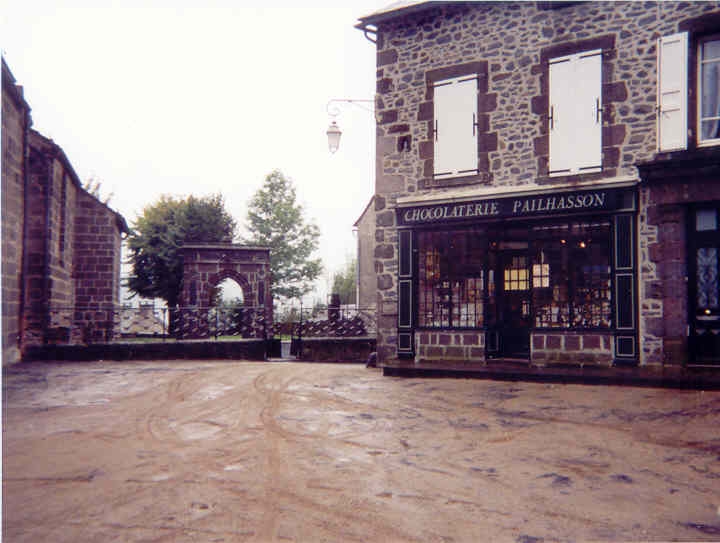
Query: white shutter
column 561, row 117
column 672, row 92
column 575, row 115
column 588, row 75
column 455, row 130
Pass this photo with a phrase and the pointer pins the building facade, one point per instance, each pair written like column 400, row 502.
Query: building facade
column 547, row 183
column 60, row 244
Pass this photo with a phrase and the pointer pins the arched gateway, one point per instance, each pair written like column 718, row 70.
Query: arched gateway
column 206, row 265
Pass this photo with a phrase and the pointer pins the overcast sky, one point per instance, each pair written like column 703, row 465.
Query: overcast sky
column 199, row 97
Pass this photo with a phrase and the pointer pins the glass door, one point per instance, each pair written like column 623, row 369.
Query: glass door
column 514, row 304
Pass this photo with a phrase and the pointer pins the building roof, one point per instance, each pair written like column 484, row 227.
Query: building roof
column 14, row 91
column 48, row 147
column 399, row 9
column 362, row 215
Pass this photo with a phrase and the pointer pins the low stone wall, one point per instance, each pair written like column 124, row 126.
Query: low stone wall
column 332, row 349
column 461, row 346
column 192, row 350
column 571, row 348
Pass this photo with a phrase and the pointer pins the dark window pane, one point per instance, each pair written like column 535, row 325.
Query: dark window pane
column 707, row 278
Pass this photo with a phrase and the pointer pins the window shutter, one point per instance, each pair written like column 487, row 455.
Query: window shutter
column 575, row 116
column 561, row 117
column 588, row 87
column 672, row 92
column 455, row 130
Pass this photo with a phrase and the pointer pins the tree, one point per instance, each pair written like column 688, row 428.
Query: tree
column 275, row 220
column 161, row 230
column 345, row 282
column 93, row 186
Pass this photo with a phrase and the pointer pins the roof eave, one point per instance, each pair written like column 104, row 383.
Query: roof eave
column 370, row 22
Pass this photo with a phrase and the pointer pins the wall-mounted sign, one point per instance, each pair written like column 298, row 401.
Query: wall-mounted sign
column 605, row 200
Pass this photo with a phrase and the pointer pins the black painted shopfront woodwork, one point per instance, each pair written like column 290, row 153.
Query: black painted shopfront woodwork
column 509, row 266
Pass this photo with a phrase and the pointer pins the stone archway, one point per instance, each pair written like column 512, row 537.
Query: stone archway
column 205, row 265
column 220, row 278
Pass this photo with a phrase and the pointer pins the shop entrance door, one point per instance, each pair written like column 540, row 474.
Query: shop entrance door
column 514, row 304
column 704, row 291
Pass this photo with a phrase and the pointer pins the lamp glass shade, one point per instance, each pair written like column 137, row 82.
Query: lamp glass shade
column 333, row 135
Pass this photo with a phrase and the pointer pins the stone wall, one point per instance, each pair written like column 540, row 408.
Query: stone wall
column 73, row 253
column 60, row 245
column 15, row 123
column 664, row 275
column 97, row 237
column 451, row 346
column 582, row 348
column 514, row 40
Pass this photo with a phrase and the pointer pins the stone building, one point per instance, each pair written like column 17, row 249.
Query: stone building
column 547, row 184
column 60, row 245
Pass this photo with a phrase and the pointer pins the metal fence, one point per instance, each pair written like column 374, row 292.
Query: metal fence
column 105, row 325
column 96, row 324
column 343, row 321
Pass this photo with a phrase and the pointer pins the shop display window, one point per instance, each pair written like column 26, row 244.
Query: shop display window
column 564, row 270
column 572, row 275
column 451, row 279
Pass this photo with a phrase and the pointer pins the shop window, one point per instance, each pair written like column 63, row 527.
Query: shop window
column 455, row 130
column 451, row 282
column 575, row 113
column 572, row 276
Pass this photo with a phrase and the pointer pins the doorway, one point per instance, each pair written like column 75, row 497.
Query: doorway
column 514, row 304
column 704, row 291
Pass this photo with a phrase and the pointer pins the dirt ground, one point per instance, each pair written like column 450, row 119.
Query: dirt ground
column 233, row 451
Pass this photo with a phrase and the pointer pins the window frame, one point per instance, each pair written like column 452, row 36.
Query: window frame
column 699, row 42
column 486, row 141
column 445, row 138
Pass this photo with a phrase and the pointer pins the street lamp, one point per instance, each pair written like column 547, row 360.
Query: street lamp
column 333, row 135
column 333, row 131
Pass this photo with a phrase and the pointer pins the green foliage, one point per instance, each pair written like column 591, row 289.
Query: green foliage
column 345, row 283
column 161, row 230
column 275, row 220
column 94, row 187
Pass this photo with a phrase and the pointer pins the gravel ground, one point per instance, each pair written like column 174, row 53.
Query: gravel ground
column 240, row 451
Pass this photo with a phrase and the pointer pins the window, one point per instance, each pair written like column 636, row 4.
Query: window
column 571, row 275
column 455, row 129
column 575, row 113
column 451, row 279
column 709, row 91
column 673, row 91
column 516, row 274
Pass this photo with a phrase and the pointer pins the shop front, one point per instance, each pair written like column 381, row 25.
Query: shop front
column 539, row 276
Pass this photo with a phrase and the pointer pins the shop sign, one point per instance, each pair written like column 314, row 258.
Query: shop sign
column 523, row 206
